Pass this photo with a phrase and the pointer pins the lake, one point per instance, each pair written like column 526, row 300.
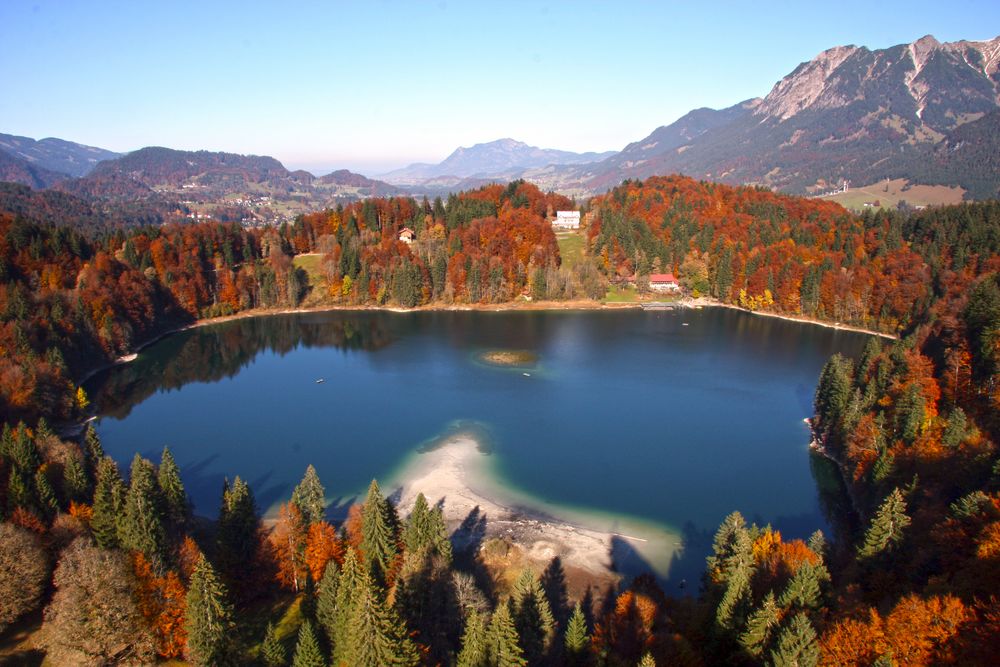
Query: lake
column 673, row 417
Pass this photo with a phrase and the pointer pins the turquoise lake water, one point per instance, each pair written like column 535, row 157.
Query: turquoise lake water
column 675, row 417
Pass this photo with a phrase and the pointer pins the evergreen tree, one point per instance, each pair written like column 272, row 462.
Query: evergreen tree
column 46, row 495
column 141, row 527
column 307, row 651
column 647, row 661
column 887, row 526
column 108, row 496
column 760, row 626
column 796, row 645
column 377, row 637
column 93, row 449
column 338, row 628
column 577, row 642
column 176, row 504
column 833, row 390
column 804, row 588
column 378, row 533
column 473, row 653
column 817, row 544
column 532, row 617
column 326, row 599
column 415, row 532
column 502, row 647
column 553, row 582
column 208, row 619
column 730, row 569
column 310, row 497
column 20, row 491
column 76, row 485
column 272, row 651
column 237, row 533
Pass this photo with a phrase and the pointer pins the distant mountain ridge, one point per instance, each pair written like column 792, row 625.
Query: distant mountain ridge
column 494, row 159
column 849, row 113
column 56, row 155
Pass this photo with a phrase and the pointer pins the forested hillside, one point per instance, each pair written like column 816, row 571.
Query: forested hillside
column 908, row 577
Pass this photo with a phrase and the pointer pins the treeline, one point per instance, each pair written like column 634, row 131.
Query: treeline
column 758, row 249
column 70, row 302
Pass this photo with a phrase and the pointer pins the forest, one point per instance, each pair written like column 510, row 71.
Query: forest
column 124, row 573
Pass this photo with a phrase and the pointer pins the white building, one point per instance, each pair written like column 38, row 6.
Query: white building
column 567, row 220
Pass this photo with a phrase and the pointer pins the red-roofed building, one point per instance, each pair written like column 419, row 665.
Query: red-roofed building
column 663, row 282
column 406, row 235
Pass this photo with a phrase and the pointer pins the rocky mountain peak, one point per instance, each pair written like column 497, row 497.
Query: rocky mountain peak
column 805, row 85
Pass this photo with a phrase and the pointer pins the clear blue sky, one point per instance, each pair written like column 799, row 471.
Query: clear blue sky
column 375, row 85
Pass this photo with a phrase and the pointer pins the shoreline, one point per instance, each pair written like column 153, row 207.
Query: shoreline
column 479, row 508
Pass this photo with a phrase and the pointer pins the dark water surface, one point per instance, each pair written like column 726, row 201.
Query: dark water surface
column 677, row 417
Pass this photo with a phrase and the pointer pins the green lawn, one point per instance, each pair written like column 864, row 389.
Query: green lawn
column 571, row 247
column 619, row 295
column 310, row 263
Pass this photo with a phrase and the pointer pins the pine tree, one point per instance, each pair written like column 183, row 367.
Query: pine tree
column 760, row 626
column 804, row 588
column 730, row 570
column 237, row 533
column 338, row 628
column 817, row 544
column 378, row 533
column 532, row 617
column 108, row 496
column 502, row 646
column 796, row 645
column 93, row 450
column 141, row 526
column 46, row 495
column 473, row 653
column 577, row 642
column 647, row 661
column 326, row 599
column 377, row 637
column 76, row 485
column 553, row 582
column 208, row 618
column 272, row 651
column 310, row 497
column 307, row 651
column 176, row 504
column 886, row 529
column 415, row 532
column 20, row 491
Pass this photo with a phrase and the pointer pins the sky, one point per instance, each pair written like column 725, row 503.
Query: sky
column 376, row 85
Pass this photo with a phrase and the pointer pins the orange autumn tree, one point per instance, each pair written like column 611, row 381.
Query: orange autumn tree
column 162, row 602
column 287, row 543
column 322, row 546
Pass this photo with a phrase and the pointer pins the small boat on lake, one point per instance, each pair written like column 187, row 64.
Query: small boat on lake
column 321, row 381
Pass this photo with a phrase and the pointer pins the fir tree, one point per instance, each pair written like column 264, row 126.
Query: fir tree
column 20, row 491
column 326, row 599
column 553, row 582
column 760, row 626
column 176, row 504
column 817, row 544
column 141, row 527
column 108, row 495
column 730, row 569
column 377, row 637
column 647, row 660
column 338, row 627
column 378, row 533
column 473, row 653
column 796, row 645
column 272, row 651
column 577, row 642
column 208, row 618
column 532, row 617
column 93, row 449
column 886, row 529
column 310, row 497
column 76, row 485
column 46, row 495
column 502, row 647
column 307, row 651
column 804, row 588
column 416, row 531
column 237, row 533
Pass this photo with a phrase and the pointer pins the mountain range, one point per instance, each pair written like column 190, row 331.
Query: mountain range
column 925, row 112
column 496, row 159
